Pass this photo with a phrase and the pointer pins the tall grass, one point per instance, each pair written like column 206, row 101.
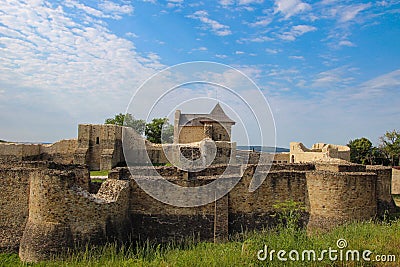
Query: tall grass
column 378, row 237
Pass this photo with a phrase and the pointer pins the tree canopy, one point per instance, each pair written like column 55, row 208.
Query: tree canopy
column 129, row 121
column 360, row 150
column 387, row 153
column 159, row 131
column 390, row 146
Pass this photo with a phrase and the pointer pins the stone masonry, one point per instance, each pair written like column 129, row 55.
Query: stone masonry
column 57, row 211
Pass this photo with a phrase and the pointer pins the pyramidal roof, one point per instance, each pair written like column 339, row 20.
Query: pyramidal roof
column 217, row 114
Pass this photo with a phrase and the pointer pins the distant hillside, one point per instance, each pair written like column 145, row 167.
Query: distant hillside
column 264, row 149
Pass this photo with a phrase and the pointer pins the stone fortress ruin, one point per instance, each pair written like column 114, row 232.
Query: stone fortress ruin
column 49, row 203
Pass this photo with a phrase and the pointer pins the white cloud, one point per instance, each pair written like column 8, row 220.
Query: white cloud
column 297, row 57
column 249, row 2
column 174, row 3
column 132, row 35
column 385, row 84
column 221, row 56
column 334, row 78
column 350, row 12
column 258, row 39
column 239, row 52
column 290, row 7
column 58, row 62
column 346, row 43
column 115, row 10
column 216, row 27
column 296, row 31
column 226, row 2
column 272, row 51
column 261, row 22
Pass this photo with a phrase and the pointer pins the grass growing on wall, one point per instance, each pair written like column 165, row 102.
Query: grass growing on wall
column 378, row 237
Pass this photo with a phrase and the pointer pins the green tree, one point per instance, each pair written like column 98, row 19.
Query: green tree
column 360, row 151
column 129, row 121
column 390, row 146
column 159, row 131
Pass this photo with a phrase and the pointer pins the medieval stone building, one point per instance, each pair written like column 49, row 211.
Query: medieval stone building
column 190, row 128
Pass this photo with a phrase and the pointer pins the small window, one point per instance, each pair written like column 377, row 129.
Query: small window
column 220, row 136
column 97, row 141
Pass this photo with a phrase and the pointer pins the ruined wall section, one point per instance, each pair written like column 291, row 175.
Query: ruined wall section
column 320, row 151
column 339, row 197
column 155, row 220
column 254, row 210
column 62, row 151
column 396, row 180
column 385, row 202
column 62, row 214
column 11, row 152
column 99, row 146
column 14, row 196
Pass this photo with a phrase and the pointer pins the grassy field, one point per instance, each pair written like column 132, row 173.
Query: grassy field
column 381, row 238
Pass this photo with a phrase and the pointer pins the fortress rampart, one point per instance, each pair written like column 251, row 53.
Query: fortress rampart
column 48, row 207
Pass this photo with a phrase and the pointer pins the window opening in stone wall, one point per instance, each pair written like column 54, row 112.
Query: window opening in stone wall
column 97, row 140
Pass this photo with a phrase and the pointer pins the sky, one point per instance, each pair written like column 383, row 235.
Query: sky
column 330, row 70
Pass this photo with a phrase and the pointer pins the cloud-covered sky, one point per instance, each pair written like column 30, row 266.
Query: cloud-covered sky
column 329, row 69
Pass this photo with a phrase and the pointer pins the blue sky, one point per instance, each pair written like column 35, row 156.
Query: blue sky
column 329, row 69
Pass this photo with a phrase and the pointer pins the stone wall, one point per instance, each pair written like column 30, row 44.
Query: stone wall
column 14, row 196
column 385, row 202
column 221, row 132
column 47, row 208
column 62, row 151
column 320, row 151
column 99, row 146
column 339, row 197
column 17, row 152
column 396, row 181
column 62, row 214
column 190, row 134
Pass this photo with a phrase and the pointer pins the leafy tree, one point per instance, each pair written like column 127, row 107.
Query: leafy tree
column 159, row 131
column 390, row 146
column 360, row 151
column 129, row 121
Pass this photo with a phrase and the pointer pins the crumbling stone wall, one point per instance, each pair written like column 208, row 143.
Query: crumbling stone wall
column 339, row 197
column 62, row 214
column 385, row 202
column 99, row 146
column 14, row 195
column 55, row 210
column 11, row 152
column 396, row 180
column 61, row 151
column 320, row 151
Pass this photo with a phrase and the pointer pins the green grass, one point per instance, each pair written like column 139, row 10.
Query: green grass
column 99, row 173
column 379, row 237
